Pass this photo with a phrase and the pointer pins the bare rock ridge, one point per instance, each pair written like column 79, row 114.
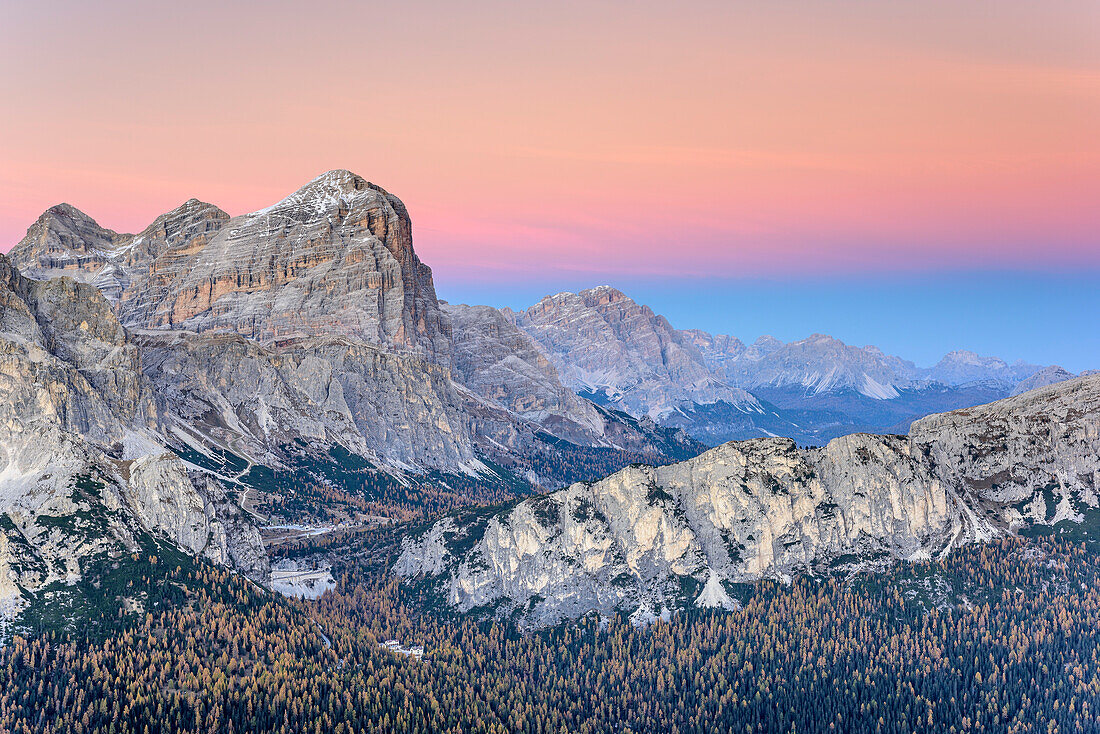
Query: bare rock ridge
column 335, row 257
column 604, row 343
column 280, row 334
column 335, row 260
column 717, row 388
column 652, row 537
column 223, row 390
column 83, row 474
column 313, row 323
column 497, row 360
column 1046, row 376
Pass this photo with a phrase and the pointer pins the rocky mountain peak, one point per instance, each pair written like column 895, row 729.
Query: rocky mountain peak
column 961, row 366
column 603, row 342
column 676, row 536
column 65, row 213
column 765, row 345
column 1047, row 376
column 333, row 258
column 327, row 194
column 605, row 295
column 822, row 363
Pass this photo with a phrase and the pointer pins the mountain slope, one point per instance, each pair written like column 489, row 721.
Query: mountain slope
column 822, row 364
column 84, row 478
column 603, row 343
column 1046, row 376
column 311, row 326
column 618, row 352
column 960, row 367
column 677, row 535
column 497, row 360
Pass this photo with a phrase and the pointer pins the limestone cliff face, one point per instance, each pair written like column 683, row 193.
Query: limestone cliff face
column 1034, row 457
column 335, row 257
column 1046, row 376
column 520, row 410
column 498, row 361
column 822, row 364
column 64, row 359
column 603, row 342
column 194, row 513
column 313, row 322
column 66, row 241
column 81, row 471
column 396, row 410
column 670, row 536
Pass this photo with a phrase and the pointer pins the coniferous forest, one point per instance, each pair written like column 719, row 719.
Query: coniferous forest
column 994, row 638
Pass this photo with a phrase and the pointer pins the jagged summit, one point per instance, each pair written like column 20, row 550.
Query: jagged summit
column 334, row 257
column 65, row 217
column 343, row 337
column 603, row 342
column 1051, row 375
column 961, row 366
column 67, row 211
column 818, row 364
column 328, row 193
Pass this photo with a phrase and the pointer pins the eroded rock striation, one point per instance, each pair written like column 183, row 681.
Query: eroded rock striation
column 83, row 472
column 335, row 257
column 226, row 390
column 312, row 323
column 605, row 344
column 652, row 537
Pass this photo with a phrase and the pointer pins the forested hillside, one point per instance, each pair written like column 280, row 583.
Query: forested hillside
column 988, row 640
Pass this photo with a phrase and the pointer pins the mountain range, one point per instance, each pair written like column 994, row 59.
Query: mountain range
column 212, row 378
column 621, row 354
column 648, row 541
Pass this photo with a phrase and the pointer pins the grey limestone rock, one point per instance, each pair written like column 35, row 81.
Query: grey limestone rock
column 759, row 508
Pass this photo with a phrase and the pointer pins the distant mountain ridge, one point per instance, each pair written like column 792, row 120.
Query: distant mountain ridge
column 602, row 341
column 334, row 261
column 335, row 257
column 608, row 346
column 212, row 375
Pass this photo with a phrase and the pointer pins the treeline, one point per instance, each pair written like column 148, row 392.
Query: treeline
column 997, row 638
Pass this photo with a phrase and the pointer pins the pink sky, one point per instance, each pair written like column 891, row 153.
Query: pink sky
column 644, row 138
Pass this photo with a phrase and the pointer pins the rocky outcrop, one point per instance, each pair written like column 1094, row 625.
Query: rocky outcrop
column 605, row 344
column 65, row 241
column 498, row 361
column 313, row 323
column 821, row 364
column 1033, row 458
column 164, row 499
column 672, row 536
column 961, row 366
column 195, row 513
column 1047, row 376
column 81, row 471
column 395, row 410
column 334, row 258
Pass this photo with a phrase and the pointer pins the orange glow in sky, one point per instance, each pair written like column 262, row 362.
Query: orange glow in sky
column 645, row 138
